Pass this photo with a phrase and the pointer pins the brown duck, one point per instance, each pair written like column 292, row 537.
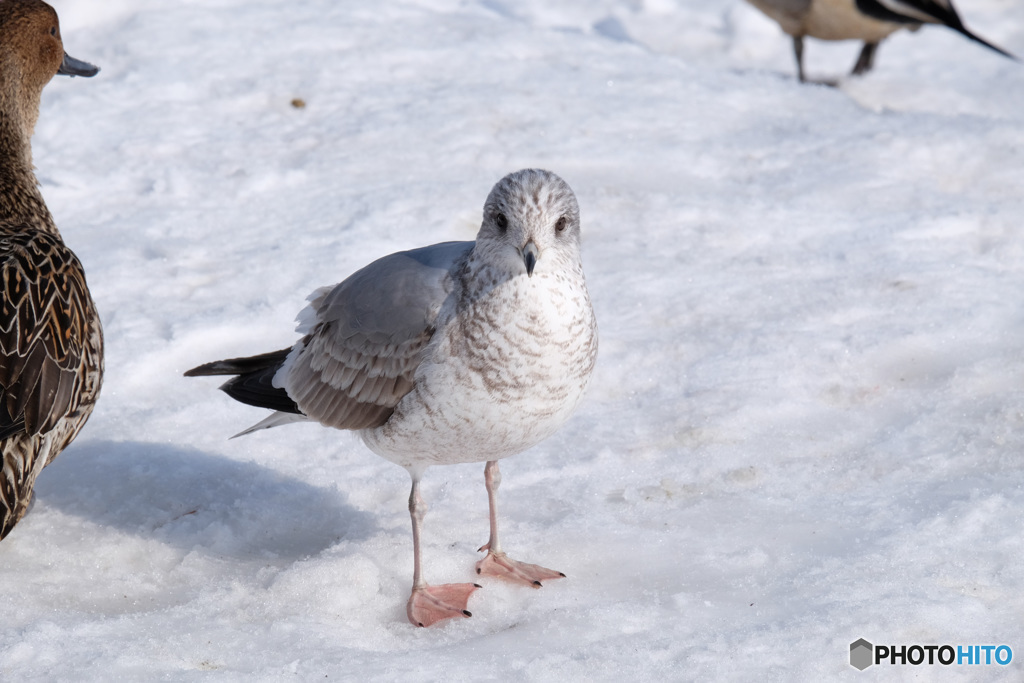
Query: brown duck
column 51, row 343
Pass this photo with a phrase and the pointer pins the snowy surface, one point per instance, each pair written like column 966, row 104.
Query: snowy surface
column 807, row 420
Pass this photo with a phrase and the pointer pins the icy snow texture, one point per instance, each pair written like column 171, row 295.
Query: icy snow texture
column 806, row 422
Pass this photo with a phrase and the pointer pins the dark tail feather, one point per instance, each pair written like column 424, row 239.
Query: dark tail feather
column 253, row 384
column 941, row 14
column 978, row 39
column 951, row 19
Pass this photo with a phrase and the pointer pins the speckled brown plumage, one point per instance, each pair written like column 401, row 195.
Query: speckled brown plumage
column 51, row 343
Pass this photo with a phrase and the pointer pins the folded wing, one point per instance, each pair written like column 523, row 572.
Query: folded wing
column 363, row 340
column 44, row 316
column 366, row 336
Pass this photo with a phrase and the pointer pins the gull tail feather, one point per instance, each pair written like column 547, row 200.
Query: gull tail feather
column 253, row 383
column 274, row 420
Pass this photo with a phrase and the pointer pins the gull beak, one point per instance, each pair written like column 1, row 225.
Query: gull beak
column 76, row 67
column 530, row 256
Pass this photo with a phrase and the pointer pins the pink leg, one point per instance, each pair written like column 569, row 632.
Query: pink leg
column 498, row 563
column 430, row 604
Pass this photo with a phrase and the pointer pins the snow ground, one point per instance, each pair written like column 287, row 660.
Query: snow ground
column 806, row 422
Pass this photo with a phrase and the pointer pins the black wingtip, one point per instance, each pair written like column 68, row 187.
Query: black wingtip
column 241, row 366
column 217, row 367
column 198, row 371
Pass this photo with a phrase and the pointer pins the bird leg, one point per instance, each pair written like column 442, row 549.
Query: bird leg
column 430, row 604
column 798, row 52
column 497, row 563
column 866, row 60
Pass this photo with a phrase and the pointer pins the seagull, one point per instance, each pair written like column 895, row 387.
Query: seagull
column 51, row 342
column 870, row 21
column 457, row 352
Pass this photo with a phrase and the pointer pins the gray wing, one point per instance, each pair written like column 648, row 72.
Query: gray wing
column 365, row 337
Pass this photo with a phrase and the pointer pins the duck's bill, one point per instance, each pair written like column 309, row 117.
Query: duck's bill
column 76, row 67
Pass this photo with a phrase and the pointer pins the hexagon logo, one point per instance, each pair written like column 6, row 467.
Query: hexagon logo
column 861, row 654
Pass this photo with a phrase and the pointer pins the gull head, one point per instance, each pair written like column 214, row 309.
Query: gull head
column 531, row 224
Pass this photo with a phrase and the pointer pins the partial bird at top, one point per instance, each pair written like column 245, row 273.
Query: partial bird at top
column 453, row 353
column 868, row 20
column 51, row 344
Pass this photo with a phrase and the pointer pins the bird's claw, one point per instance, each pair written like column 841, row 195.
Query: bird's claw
column 431, row 604
column 502, row 566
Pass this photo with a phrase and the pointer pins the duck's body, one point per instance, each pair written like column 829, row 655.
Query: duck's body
column 51, row 343
column 870, row 21
column 454, row 353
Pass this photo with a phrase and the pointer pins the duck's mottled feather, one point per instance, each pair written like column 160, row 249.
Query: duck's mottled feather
column 51, row 359
column 44, row 320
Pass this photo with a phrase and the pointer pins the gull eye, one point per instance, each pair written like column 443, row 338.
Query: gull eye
column 501, row 221
column 53, row 30
column 561, row 224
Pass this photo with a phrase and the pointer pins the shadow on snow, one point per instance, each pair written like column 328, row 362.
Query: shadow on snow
column 192, row 500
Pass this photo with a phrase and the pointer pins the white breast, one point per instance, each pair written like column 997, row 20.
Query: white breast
column 501, row 374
